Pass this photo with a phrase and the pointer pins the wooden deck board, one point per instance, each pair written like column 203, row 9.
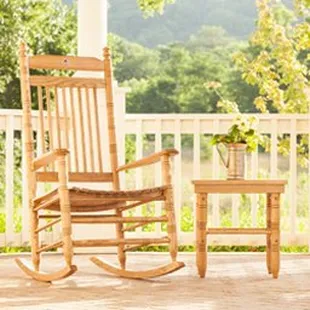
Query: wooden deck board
column 233, row 281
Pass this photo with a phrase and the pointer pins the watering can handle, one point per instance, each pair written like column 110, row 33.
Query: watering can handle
column 225, row 162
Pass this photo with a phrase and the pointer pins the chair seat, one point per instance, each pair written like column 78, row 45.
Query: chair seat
column 90, row 200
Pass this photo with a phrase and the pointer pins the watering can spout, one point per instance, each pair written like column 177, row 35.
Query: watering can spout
column 224, row 160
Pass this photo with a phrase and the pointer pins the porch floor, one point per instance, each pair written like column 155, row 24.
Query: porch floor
column 233, row 281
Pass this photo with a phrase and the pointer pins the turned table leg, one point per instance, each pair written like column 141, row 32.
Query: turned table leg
column 275, row 234
column 201, row 238
column 268, row 236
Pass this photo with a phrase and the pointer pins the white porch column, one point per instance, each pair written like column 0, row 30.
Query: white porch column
column 92, row 27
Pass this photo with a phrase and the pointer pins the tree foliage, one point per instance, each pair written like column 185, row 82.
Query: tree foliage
column 278, row 59
column 132, row 60
column 277, row 63
column 172, row 79
column 48, row 26
column 178, row 83
column 209, row 37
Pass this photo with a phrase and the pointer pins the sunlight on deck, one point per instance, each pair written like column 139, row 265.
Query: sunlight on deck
column 233, row 281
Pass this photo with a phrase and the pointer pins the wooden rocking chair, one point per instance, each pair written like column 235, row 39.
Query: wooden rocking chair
column 68, row 139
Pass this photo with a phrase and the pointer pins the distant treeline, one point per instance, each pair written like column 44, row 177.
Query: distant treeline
column 181, row 19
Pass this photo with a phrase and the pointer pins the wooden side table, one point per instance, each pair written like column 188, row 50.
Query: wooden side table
column 272, row 189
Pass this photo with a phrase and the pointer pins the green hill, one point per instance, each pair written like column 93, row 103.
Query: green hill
column 181, row 19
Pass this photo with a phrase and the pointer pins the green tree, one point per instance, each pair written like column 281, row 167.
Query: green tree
column 48, row 26
column 209, row 37
column 279, row 65
column 155, row 95
column 132, row 60
column 178, row 85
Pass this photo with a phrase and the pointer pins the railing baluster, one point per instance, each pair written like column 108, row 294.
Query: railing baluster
column 178, row 176
column 197, row 164
column 215, row 175
column 308, row 230
column 158, row 173
column 293, row 176
column 274, row 149
column 9, row 179
column 197, row 151
column 254, row 197
column 25, row 202
column 235, row 209
column 139, row 155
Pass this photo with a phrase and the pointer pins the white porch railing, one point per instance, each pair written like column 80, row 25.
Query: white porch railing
column 189, row 133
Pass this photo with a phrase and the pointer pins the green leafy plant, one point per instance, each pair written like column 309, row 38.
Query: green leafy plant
column 244, row 130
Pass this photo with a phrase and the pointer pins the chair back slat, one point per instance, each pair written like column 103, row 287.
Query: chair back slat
column 41, row 130
column 90, row 130
column 50, row 122
column 69, row 115
column 73, row 132
column 99, row 154
column 81, row 131
column 66, row 125
column 58, row 131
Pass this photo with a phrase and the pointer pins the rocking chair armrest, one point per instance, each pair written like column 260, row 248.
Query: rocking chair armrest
column 148, row 160
column 48, row 158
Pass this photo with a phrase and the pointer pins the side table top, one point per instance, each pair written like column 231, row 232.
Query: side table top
column 239, row 186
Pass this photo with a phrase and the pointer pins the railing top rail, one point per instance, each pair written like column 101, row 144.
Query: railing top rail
column 11, row 112
column 188, row 116
column 191, row 116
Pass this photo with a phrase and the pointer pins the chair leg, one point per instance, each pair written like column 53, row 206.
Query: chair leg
column 169, row 207
column 151, row 273
column 65, row 209
column 120, row 249
column 275, row 234
column 268, row 237
column 172, row 233
column 69, row 269
column 201, row 236
column 34, row 240
column 66, row 234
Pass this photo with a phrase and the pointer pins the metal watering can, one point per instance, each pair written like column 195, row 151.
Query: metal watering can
column 235, row 162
